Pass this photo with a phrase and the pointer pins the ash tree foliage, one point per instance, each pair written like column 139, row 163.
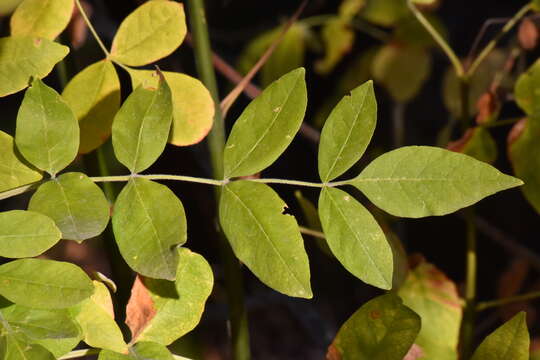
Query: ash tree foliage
column 48, row 307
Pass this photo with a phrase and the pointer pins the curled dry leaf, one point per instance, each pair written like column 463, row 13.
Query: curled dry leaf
column 528, row 34
column 488, row 106
column 140, row 309
column 516, row 131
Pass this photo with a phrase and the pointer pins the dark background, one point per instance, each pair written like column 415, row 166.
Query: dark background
column 288, row 328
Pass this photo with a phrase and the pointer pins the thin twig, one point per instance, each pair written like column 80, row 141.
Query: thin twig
column 482, row 32
column 227, row 102
column 505, row 301
column 311, row 232
column 491, row 45
column 92, row 30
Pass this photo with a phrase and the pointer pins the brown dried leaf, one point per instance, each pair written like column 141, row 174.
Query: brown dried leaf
column 140, row 309
column 333, row 353
column 78, row 30
column 528, row 34
column 460, row 143
column 488, row 106
column 516, row 131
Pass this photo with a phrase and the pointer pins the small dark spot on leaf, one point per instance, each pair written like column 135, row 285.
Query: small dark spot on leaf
column 375, row 314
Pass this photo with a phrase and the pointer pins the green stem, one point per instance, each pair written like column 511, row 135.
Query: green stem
column 469, row 314
column 491, row 45
column 123, row 178
column 79, row 353
column 458, row 66
column 505, row 301
column 216, row 143
column 314, row 233
column 317, row 20
column 92, row 30
column 290, row 182
column 205, row 68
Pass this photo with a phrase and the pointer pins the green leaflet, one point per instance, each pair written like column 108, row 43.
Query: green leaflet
column 140, row 351
column 311, row 216
column 264, row 238
column 14, row 170
column 418, row 181
column 287, row 56
column 14, row 349
column 41, row 18
column 510, row 341
column 267, row 126
column 94, row 96
column 193, row 106
column 391, row 68
column 55, row 330
column 355, row 238
column 525, row 90
column 24, row 57
column 75, row 203
column 47, row 132
column 347, row 132
column 149, row 222
column 141, row 127
column 153, row 31
column 96, row 318
column 26, row 234
column 523, row 145
column 382, row 329
column 385, row 13
column 430, row 294
column 178, row 306
column 44, row 284
column 338, row 40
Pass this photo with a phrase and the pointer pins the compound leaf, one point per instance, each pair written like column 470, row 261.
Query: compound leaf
column 94, row 96
column 264, row 238
column 141, row 127
column 23, row 57
column 355, row 238
column 347, row 132
column 418, row 181
column 26, row 234
column 193, row 106
column 47, row 133
column 44, row 284
column 75, row 203
column 153, row 31
column 149, row 222
column 267, row 126
column 383, row 328
column 41, row 18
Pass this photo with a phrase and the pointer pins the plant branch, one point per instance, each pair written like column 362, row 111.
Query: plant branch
column 491, row 45
column 235, row 93
column 92, row 30
column 311, row 232
column 458, row 66
column 467, row 326
column 216, row 141
column 505, row 301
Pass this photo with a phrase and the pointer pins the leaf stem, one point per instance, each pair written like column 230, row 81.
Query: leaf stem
column 491, row 45
column 311, row 232
column 289, row 182
column 505, row 301
column 92, row 30
column 458, row 66
column 467, row 326
column 79, row 353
